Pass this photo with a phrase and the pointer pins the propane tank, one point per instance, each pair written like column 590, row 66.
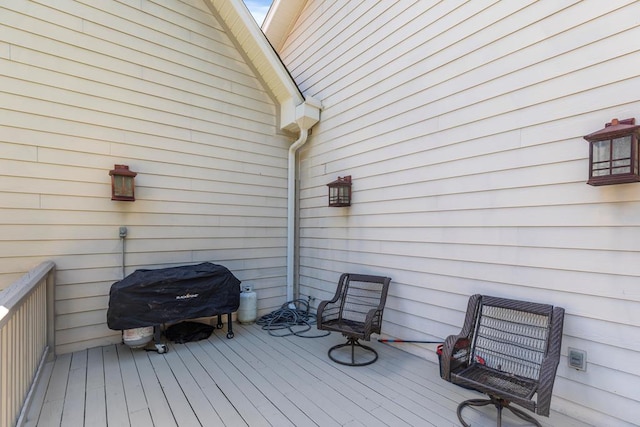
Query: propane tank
column 137, row 337
column 248, row 310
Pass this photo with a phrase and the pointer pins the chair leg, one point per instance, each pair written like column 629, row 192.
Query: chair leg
column 353, row 343
column 499, row 404
column 523, row 415
column 474, row 402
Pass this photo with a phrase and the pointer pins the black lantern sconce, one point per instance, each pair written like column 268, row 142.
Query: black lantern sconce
column 340, row 192
column 122, row 183
column 614, row 154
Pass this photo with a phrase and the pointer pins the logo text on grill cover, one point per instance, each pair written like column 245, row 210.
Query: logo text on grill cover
column 187, row 296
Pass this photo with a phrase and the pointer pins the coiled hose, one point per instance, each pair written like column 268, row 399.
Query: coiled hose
column 293, row 316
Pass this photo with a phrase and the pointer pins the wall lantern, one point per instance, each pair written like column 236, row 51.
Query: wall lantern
column 614, row 154
column 340, row 192
column 122, row 184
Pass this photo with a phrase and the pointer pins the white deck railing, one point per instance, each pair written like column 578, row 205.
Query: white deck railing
column 26, row 337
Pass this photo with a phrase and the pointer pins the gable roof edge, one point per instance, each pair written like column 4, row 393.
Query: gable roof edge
column 254, row 44
column 280, row 20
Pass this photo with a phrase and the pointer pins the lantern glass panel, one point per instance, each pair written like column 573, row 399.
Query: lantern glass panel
column 601, row 158
column 122, row 186
column 343, row 194
column 621, row 155
column 333, row 195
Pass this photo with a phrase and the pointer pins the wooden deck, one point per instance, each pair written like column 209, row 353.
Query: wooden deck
column 253, row 379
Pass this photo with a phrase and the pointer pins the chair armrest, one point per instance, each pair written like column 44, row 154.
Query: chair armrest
column 320, row 311
column 327, row 310
column 550, row 363
column 372, row 322
column 455, row 344
column 456, row 349
column 329, row 306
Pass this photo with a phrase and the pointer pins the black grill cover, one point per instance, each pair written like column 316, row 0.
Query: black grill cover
column 152, row 297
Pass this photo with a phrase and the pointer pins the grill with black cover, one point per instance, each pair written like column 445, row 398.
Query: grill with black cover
column 154, row 297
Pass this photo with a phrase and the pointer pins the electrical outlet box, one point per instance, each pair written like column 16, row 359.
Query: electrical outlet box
column 123, row 232
column 577, row 359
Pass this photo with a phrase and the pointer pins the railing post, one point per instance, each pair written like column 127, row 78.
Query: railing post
column 51, row 313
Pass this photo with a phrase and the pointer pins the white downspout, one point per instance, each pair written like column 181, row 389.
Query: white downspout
column 307, row 114
column 291, row 210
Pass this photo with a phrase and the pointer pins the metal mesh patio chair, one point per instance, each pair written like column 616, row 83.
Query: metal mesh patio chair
column 356, row 312
column 509, row 350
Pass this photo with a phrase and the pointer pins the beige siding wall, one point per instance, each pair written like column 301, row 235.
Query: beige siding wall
column 461, row 124
column 156, row 85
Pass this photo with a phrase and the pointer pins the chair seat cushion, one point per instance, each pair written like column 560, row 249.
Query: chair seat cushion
column 484, row 378
column 345, row 326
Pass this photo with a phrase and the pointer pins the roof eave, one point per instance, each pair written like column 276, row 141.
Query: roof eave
column 280, row 20
column 264, row 59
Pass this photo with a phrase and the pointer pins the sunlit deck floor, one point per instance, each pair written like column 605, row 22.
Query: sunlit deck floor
column 253, row 379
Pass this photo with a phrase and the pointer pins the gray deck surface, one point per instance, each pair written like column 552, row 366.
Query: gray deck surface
column 253, row 379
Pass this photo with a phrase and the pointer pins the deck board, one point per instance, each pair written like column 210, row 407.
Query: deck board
column 95, row 411
column 323, row 374
column 380, row 386
column 268, row 398
column 31, row 418
column 132, row 386
column 225, row 411
column 175, row 396
column 314, row 375
column 254, row 379
column 284, row 383
column 74, row 401
column 317, row 402
column 115, row 401
column 241, row 402
column 202, row 407
column 54, row 398
column 156, row 400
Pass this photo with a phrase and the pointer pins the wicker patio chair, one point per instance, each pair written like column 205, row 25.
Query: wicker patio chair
column 509, row 350
column 356, row 312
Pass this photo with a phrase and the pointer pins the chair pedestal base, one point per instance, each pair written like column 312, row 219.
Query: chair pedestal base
column 353, row 344
column 499, row 404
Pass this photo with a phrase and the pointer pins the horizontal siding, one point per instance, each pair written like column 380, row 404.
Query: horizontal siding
column 160, row 87
column 461, row 125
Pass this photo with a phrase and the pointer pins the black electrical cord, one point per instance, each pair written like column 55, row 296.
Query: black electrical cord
column 292, row 314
